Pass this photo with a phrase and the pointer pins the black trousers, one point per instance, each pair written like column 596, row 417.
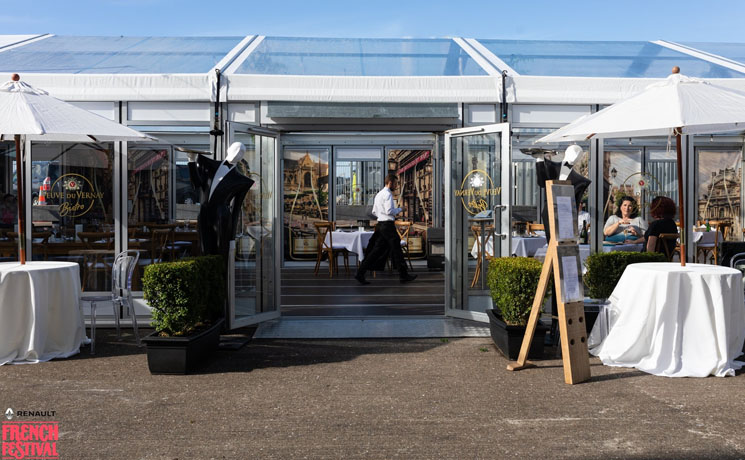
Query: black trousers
column 385, row 242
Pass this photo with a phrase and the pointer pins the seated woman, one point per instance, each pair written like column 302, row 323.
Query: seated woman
column 662, row 209
column 625, row 226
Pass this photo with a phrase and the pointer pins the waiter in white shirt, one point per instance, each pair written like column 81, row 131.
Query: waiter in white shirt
column 385, row 241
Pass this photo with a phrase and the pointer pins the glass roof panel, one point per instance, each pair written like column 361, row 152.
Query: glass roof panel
column 600, row 59
column 102, row 55
column 734, row 51
column 359, row 57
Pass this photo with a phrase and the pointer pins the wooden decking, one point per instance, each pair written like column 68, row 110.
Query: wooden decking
column 304, row 294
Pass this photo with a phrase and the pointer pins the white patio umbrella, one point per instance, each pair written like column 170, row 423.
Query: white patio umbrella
column 32, row 113
column 676, row 106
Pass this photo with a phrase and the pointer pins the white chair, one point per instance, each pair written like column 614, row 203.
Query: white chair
column 121, row 294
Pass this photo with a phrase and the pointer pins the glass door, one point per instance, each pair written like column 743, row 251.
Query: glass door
column 253, row 274
column 477, row 221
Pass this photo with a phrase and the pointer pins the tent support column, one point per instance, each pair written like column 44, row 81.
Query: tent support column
column 681, row 207
column 21, row 207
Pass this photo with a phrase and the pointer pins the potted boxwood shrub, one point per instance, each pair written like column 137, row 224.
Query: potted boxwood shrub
column 188, row 301
column 604, row 269
column 513, row 282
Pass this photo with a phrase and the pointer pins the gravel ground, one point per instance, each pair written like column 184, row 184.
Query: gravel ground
column 411, row 399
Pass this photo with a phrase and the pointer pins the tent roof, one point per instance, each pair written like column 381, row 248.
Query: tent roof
column 431, row 70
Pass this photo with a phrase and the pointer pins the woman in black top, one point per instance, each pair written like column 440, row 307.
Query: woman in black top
column 662, row 210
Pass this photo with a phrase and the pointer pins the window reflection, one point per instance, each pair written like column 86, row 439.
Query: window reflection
column 306, row 198
column 73, row 208
column 162, row 207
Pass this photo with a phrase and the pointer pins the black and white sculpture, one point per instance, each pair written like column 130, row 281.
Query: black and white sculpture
column 222, row 189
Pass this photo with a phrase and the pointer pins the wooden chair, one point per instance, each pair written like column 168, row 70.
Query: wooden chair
column 403, row 228
column 97, row 246
column 39, row 242
column 324, row 229
column 710, row 249
column 667, row 243
column 476, row 229
column 722, row 227
column 533, row 227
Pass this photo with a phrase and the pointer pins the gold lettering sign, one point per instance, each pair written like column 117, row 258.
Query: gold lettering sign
column 74, row 193
column 475, row 191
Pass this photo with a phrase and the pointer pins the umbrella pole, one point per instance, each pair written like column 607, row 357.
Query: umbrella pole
column 680, row 199
column 21, row 215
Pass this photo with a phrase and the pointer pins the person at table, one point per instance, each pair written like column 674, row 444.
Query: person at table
column 625, row 226
column 385, row 241
column 662, row 209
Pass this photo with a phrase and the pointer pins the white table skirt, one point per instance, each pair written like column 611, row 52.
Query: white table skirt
column 355, row 242
column 39, row 311
column 675, row 321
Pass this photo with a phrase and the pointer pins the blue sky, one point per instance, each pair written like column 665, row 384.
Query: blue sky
column 682, row 20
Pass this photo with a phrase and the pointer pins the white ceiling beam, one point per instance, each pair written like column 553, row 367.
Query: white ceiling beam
column 703, row 55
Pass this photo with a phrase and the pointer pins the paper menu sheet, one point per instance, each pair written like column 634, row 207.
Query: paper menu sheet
column 571, row 281
column 565, row 216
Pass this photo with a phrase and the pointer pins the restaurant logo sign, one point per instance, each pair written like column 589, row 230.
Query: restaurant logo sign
column 74, row 193
column 475, row 191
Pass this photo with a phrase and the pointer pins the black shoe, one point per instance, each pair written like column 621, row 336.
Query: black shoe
column 407, row 278
column 361, row 279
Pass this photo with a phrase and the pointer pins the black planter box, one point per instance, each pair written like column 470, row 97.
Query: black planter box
column 181, row 355
column 509, row 339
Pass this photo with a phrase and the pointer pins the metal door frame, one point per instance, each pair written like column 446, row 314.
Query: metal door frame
column 277, row 229
column 501, row 212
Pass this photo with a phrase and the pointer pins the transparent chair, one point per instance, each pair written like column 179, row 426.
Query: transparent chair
column 121, row 294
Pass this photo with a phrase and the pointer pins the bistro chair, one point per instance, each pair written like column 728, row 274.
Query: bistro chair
column 403, row 228
column 120, row 297
column 533, row 227
column 326, row 247
column 709, row 249
column 667, row 243
column 476, row 229
column 98, row 245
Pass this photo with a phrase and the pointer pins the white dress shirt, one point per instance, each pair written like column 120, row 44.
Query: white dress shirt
column 384, row 208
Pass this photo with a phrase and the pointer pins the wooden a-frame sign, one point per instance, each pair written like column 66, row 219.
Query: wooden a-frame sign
column 562, row 258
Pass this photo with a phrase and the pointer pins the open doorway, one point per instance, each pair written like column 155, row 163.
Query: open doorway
column 338, row 183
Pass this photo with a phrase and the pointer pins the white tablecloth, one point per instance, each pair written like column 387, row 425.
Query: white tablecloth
column 675, row 321
column 39, row 311
column 353, row 241
column 521, row 246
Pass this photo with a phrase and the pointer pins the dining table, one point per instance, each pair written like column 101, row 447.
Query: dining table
column 672, row 320
column 40, row 317
column 353, row 241
column 584, row 251
column 522, row 246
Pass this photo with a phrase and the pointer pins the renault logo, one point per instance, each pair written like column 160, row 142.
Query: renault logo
column 9, row 414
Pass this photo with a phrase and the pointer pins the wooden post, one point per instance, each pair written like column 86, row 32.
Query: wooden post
column 562, row 259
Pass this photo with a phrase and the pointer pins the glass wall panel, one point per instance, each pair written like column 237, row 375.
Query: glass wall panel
column 600, row 59
column 161, row 205
column 357, row 181
column 527, row 200
column 8, row 202
column 73, row 208
column 621, row 174
column 306, row 198
column 416, row 193
column 114, row 55
column 719, row 177
column 359, row 57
